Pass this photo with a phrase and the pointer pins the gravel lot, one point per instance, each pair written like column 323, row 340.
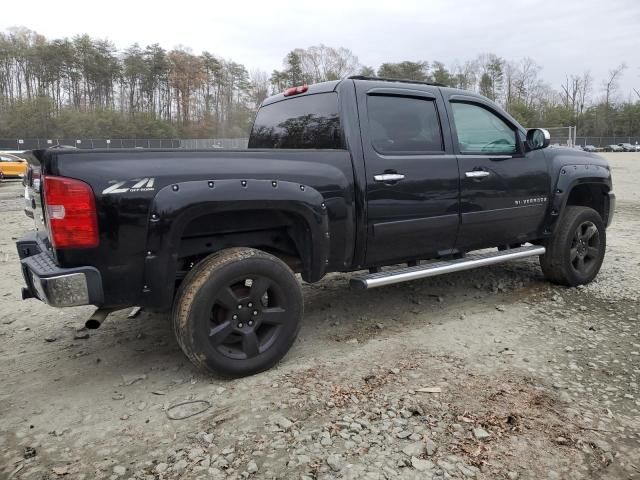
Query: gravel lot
column 487, row 374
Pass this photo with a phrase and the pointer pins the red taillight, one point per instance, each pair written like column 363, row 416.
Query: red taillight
column 71, row 213
column 296, row 90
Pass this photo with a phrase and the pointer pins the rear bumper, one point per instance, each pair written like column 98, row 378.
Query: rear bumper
column 58, row 287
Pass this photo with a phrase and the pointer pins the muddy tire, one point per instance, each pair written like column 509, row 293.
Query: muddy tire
column 237, row 312
column 575, row 252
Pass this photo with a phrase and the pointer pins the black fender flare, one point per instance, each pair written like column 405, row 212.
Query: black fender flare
column 570, row 176
column 175, row 205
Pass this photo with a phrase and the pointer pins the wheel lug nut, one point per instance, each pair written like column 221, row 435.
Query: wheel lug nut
column 250, row 323
column 235, row 317
column 255, row 312
column 240, row 325
column 249, row 304
column 239, row 307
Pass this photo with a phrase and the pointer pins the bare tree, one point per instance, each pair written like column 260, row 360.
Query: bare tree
column 465, row 75
column 528, row 82
column 185, row 77
column 571, row 91
column 321, row 63
column 259, row 86
column 491, row 75
column 611, row 83
column 611, row 88
column 585, row 91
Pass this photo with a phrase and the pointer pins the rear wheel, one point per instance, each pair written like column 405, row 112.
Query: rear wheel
column 576, row 251
column 238, row 312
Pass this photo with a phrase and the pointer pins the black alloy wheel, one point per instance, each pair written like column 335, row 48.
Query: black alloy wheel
column 238, row 312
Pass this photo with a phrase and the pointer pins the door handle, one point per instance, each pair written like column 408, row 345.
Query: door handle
column 388, row 177
column 477, row 174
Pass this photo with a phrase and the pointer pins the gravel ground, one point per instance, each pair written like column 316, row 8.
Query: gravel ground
column 487, row 374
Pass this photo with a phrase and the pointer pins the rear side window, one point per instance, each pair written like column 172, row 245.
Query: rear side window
column 310, row 121
column 404, row 124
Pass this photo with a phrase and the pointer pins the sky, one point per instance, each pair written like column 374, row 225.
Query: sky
column 563, row 36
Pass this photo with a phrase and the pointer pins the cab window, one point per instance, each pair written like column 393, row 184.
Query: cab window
column 309, row 121
column 404, row 125
column 481, row 131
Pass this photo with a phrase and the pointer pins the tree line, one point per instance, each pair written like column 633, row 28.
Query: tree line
column 86, row 87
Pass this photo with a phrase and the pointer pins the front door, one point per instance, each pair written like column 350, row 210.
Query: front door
column 504, row 189
column 412, row 173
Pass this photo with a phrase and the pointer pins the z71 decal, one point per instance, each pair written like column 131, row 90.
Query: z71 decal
column 133, row 185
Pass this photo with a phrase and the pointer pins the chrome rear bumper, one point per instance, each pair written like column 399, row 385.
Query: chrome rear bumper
column 56, row 286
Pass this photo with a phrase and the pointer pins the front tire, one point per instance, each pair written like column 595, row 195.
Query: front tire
column 576, row 251
column 238, row 312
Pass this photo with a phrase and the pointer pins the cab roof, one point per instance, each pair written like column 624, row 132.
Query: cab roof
column 331, row 86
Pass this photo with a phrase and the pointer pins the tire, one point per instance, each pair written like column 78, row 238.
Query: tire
column 237, row 312
column 575, row 252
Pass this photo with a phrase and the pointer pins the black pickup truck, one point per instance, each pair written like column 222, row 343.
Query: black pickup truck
column 342, row 176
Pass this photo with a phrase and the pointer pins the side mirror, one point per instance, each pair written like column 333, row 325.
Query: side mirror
column 538, row 138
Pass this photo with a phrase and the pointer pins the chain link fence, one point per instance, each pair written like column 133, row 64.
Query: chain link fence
column 565, row 136
column 604, row 141
column 91, row 143
column 205, row 143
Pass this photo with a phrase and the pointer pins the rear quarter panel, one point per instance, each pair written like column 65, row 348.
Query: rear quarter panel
column 123, row 199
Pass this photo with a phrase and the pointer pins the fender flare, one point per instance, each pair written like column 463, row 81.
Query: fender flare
column 569, row 177
column 175, row 205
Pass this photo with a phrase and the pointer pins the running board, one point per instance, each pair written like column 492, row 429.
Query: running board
column 381, row 279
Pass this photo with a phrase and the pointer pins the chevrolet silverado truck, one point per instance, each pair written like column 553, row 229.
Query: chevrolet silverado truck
column 398, row 180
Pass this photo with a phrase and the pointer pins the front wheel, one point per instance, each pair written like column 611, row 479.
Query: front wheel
column 238, row 312
column 575, row 252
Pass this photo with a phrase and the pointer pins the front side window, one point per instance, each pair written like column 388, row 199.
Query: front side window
column 309, row 121
column 481, row 131
column 406, row 125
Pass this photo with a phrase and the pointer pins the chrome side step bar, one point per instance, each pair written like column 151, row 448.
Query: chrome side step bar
column 381, row 279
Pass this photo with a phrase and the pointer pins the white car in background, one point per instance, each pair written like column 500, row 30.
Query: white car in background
column 627, row 147
column 613, row 148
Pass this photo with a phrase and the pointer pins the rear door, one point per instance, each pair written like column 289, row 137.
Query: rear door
column 411, row 172
column 504, row 189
